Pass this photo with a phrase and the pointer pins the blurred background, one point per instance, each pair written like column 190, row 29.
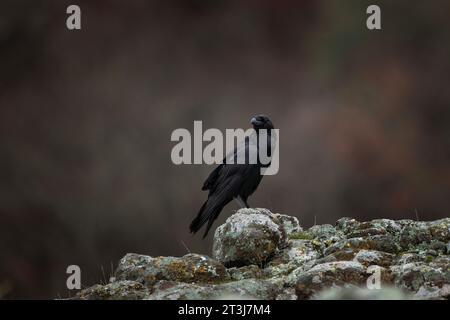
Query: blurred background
column 86, row 118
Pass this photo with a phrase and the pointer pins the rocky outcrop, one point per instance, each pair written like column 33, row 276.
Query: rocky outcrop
column 261, row 255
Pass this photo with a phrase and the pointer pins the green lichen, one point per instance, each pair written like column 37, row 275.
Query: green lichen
column 301, row 235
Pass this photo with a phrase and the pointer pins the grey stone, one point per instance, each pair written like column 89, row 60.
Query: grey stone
column 189, row 268
column 120, row 290
column 357, row 293
column 250, row 236
column 329, row 274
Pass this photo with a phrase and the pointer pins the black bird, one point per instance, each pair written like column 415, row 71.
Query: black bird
column 232, row 180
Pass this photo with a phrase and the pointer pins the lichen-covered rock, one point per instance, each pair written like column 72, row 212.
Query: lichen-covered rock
column 260, row 289
column 347, row 224
column 385, row 243
column 353, row 229
column 189, row 268
column 329, row 274
column 373, row 257
column 245, row 272
column 170, row 290
column 121, row 290
column 412, row 276
column 287, row 294
column 413, row 234
column 250, row 236
column 427, row 292
column 352, row 293
column 325, row 232
column 290, row 224
column 243, row 289
column 297, row 252
column 440, row 229
column 261, row 255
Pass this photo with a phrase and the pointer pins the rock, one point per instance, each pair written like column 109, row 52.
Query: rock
column 278, row 270
column 290, row 224
column 169, row 290
column 366, row 232
column 260, row 289
column 385, row 243
column 347, row 224
column 329, row 274
column 287, row 294
column 325, row 231
column 261, row 255
column 189, row 268
column 296, row 254
column 373, row 257
column 356, row 293
column 384, row 226
column 410, row 257
column 297, row 251
column 342, row 254
column 412, row 276
column 245, row 272
column 413, row 234
column 354, row 229
column 242, row 290
column 427, row 292
column 250, row 236
column 440, row 229
column 121, row 290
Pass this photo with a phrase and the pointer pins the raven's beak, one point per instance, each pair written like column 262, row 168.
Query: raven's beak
column 253, row 121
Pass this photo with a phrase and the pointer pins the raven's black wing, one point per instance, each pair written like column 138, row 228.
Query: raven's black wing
column 224, row 184
column 242, row 149
column 212, row 178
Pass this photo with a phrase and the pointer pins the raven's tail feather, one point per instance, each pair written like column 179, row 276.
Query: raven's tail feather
column 199, row 221
column 209, row 211
column 210, row 222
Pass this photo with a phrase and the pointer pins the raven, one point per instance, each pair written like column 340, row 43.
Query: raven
column 231, row 180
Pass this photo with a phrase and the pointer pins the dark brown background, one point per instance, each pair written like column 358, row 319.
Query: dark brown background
column 86, row 118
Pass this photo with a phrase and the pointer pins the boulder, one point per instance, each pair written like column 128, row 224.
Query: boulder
column 247, row 289
column 189, row 268
column 251, row 236
column 329, row 274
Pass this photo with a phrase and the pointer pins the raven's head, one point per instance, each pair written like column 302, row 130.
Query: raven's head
column 261, row 122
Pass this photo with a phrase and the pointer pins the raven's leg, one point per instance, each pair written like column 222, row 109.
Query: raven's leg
column 242, row 203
